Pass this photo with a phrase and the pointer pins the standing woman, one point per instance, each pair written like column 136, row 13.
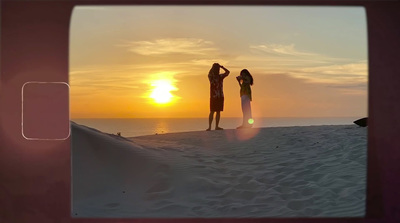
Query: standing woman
column 245, row 80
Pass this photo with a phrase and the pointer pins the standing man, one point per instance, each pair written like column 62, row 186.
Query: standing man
column 216, row 94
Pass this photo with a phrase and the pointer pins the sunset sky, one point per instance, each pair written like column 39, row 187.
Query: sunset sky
column 153, row 61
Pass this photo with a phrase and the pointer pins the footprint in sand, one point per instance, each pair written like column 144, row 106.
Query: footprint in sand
column 161, row 183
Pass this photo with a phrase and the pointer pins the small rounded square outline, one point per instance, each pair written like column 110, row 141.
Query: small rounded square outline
column 22, row 110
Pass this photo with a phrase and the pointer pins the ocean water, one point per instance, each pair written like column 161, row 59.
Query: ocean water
column 151, row 126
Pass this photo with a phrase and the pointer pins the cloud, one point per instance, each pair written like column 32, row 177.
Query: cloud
column 335, row 73
column 93, row 80
column 75, row 73
column 357, row 69
column 348, row 76
column 190, row 46
column 348, row 79
column 351, row 88
column 310, row 66
column 288, row 54
column 279, row 50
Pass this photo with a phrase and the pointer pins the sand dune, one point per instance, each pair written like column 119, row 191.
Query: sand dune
column 314, row 171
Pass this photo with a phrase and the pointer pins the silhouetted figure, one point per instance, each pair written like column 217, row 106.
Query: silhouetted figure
column 216, row 94
column 245, row 81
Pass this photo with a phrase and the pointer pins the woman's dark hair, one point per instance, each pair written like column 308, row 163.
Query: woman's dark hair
column 246, row 72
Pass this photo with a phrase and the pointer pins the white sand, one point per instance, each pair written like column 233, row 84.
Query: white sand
column 315, row 171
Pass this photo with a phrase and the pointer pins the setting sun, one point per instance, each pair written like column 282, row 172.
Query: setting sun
column 161, row 92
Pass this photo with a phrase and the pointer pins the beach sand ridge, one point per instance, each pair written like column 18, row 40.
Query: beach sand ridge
column 313, row 171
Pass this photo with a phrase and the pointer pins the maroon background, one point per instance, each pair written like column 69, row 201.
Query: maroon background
column 35, row 175
column 43, row 111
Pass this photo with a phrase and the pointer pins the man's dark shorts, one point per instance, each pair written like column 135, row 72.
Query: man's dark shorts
column 216, row 104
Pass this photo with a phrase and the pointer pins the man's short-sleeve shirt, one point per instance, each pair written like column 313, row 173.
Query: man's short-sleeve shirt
column 216, row 84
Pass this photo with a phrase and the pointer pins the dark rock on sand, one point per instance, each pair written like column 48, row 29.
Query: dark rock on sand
column 363, row 122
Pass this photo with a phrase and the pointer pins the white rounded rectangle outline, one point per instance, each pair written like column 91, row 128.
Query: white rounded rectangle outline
column 22, row 112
